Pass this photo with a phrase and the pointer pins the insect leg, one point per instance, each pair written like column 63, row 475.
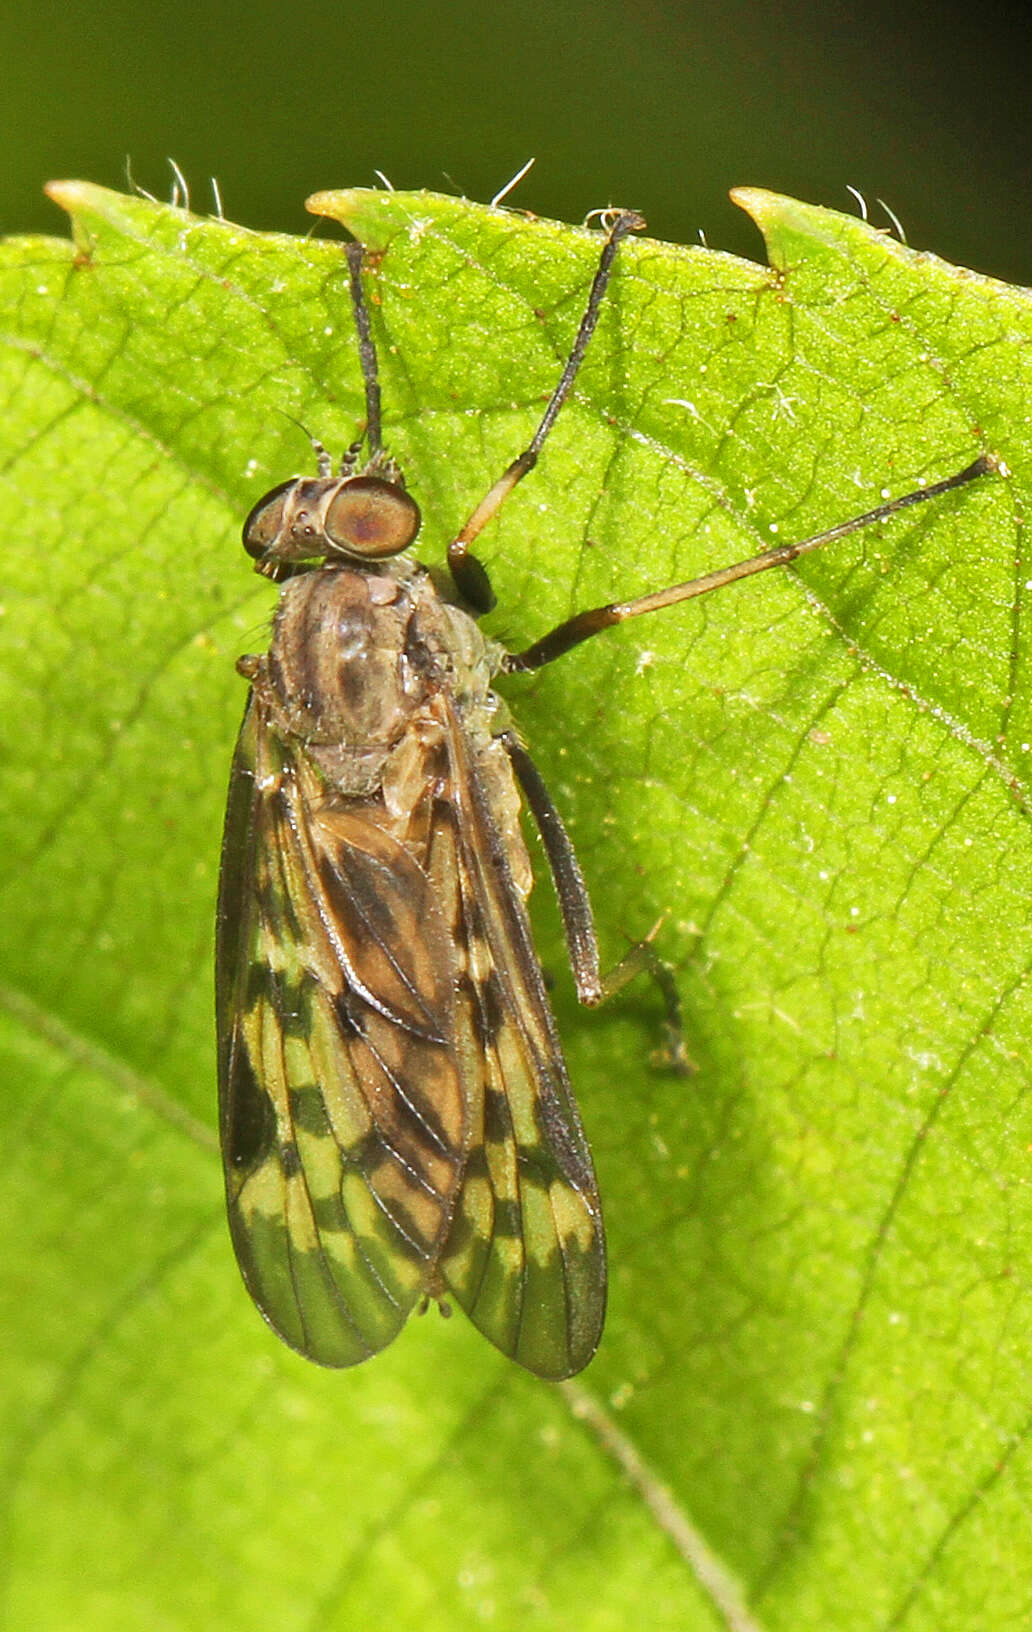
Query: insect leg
column 578, row 921
column 355, row 253
column 468, row 573
column 574, row 905
column 644, row 959
column 583, row 625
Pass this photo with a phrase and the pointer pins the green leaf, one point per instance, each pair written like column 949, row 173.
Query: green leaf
column 813, row 1392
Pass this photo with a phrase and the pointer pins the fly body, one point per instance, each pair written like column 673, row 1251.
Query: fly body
column 397, row 1120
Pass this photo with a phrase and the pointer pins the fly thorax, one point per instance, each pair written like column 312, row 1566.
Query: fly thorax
column 337, row 659
column 446, row 648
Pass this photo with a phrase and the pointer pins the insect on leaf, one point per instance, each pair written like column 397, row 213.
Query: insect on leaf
column 397, row 1122
column 396, row 1117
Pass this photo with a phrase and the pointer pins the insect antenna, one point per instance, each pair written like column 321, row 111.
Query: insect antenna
column 355, row 253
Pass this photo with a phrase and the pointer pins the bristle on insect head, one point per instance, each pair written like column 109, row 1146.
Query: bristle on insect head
column 323, row 462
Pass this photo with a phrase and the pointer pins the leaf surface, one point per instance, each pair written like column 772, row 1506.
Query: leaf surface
column 813, row 1392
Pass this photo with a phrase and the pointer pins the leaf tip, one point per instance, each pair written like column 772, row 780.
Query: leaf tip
column 69, row 196
column 370, row 214
column 338, row 203
column 76, row 198
column 757, row 202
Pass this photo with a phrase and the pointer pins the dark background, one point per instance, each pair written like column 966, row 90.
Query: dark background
column 660, row 104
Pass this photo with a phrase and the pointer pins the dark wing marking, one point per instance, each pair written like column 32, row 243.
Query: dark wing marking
column 526, row 1254
column 344, row 1116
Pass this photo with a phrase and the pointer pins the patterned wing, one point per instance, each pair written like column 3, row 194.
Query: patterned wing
column 344, row 1117
column 526, row 1254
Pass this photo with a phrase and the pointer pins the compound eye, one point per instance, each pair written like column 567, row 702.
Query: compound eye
column 368, row 516
column 265, row 523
